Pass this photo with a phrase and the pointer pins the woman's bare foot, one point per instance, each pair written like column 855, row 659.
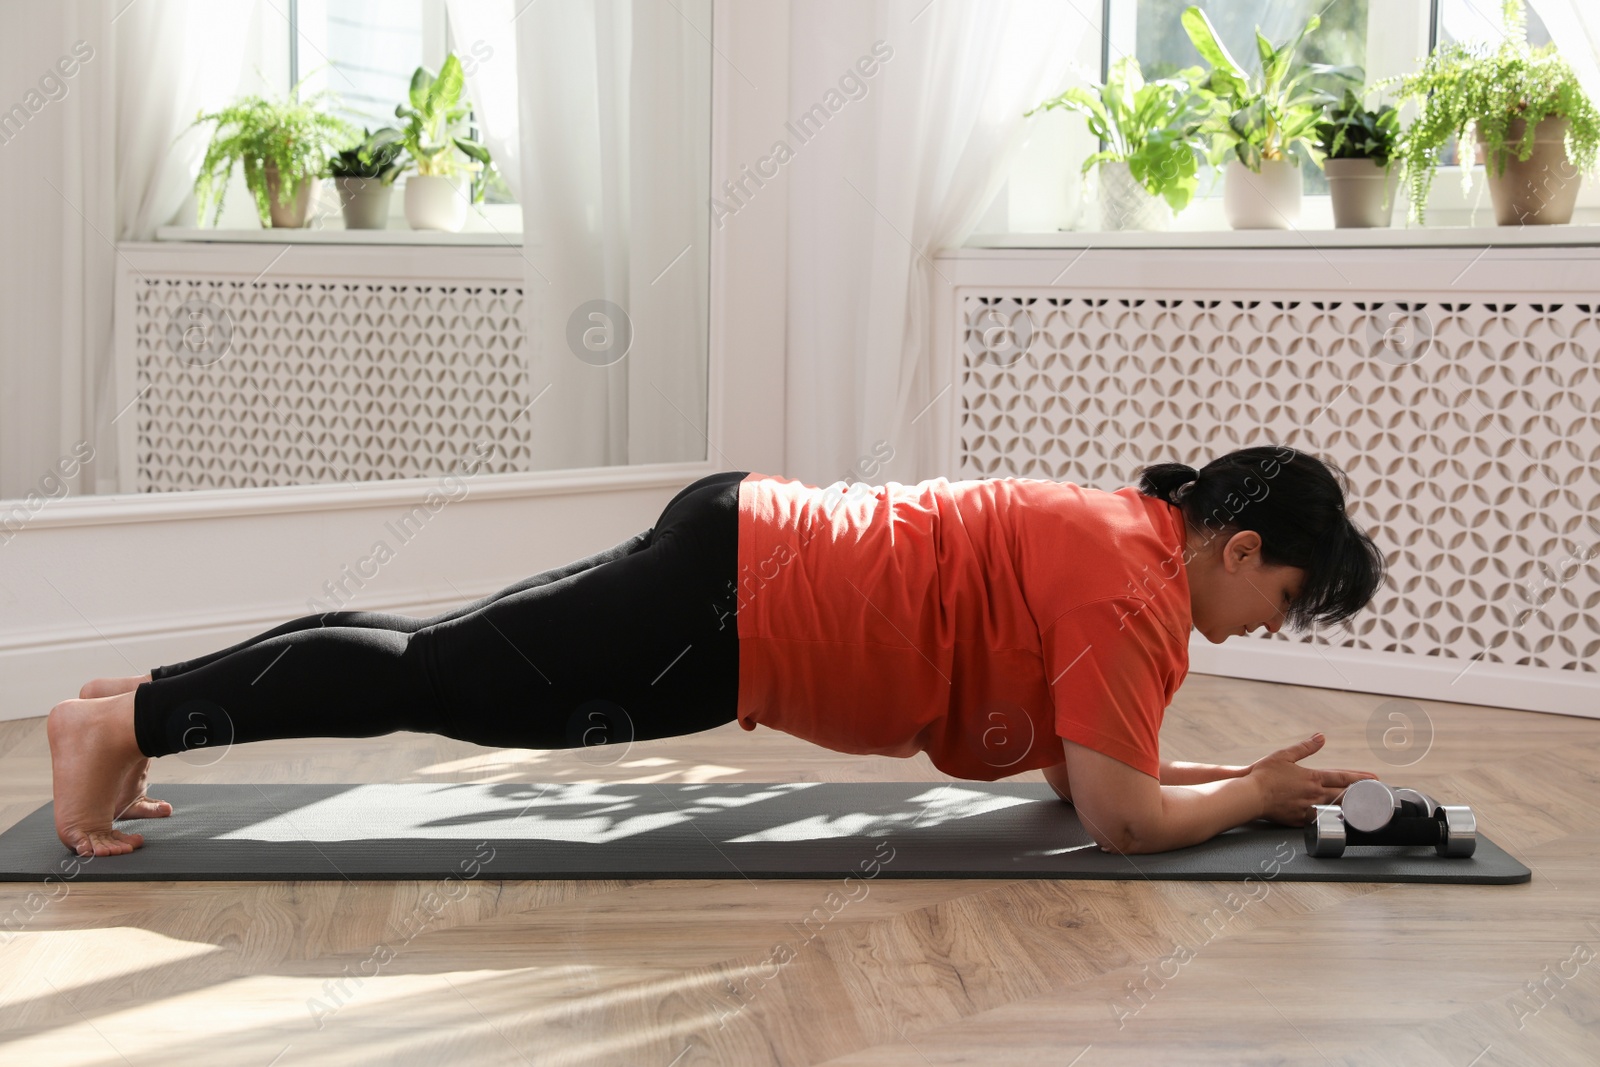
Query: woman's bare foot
column 110, row 687
column 92, row 751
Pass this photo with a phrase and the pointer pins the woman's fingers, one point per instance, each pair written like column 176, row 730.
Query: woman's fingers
column 1341, row 778
column 1300, row 749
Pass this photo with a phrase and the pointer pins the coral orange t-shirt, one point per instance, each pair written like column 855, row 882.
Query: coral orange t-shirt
column 978, row 621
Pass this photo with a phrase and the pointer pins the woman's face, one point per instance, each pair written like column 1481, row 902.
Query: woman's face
column 1231, row 592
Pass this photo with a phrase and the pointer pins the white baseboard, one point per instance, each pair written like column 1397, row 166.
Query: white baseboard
column 1394, row 674
column 43, row 669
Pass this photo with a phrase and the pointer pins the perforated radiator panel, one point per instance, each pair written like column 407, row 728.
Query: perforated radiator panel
column 294, row 382
column 1471, row 438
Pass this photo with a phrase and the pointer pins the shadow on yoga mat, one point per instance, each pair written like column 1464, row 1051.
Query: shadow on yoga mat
column 522, row 830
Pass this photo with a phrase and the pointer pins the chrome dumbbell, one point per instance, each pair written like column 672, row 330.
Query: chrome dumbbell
column 1369, row 805
column 1450, row 828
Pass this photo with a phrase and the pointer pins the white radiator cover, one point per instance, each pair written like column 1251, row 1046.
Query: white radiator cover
column 325, row 379
column 1473, row 452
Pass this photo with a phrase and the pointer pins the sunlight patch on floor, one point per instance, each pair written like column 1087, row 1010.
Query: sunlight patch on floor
column 503, row 765
column 492, row 760
column 42, row 964
column 389, row 1018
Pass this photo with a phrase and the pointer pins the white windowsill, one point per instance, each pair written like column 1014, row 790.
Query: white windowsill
column 1418, row 237
column 1460, row 213
column 340, row 236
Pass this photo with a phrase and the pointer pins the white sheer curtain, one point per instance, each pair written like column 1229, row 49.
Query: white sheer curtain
column 893, row 175
column 55, row 168
column 94, row 163
column 615, row 134
column 175, row 59
column 1574, row 26
column 484, row 36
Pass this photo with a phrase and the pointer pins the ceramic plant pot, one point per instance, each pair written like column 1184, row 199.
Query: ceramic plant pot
column 1269, row 200
column 292, row 215
column 1127, row 205
column 434, row 203
column 1362, row 192
column 365, row 203
column 1540, row 190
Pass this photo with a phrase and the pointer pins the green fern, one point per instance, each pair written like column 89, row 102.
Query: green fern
column 296, row 136
column 1471, row 86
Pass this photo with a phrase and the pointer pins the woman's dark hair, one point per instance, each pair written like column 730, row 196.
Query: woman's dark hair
column 1295, row 501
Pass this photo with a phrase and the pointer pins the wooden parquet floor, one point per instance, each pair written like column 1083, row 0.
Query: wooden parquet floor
column 899, row 973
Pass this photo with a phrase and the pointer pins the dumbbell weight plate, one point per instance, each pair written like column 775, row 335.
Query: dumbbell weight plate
column 1325, row 834
column 1460, row 836
column 1368, row 805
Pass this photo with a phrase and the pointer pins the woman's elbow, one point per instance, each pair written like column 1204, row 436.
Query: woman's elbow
column 1128, row 846
column 1120, row 848
column 1120, row 841
column 1128, row 838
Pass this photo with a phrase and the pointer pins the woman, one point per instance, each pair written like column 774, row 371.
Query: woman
column 1000, row 625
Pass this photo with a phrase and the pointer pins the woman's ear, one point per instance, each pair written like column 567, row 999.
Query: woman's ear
column 1241, row 546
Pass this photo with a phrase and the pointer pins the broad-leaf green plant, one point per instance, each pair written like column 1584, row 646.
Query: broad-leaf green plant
column 1270, row 116
column 377, row 156
column 1350, row 130
column 1470, row 86
column 433, row 131
column 293, row 135
column 1154, row 127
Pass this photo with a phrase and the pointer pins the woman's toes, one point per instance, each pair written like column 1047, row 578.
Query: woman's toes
column 132, row 802
column 106, row 842
column 145, row 808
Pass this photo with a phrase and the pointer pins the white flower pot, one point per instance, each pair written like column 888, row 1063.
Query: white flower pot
column 1269, row 200
column 435, row 203
column 1127, row 205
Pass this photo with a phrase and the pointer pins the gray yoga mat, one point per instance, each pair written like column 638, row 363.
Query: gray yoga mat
column 523, row 830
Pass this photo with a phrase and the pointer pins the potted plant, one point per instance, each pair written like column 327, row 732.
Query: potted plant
column 437, row 150
column 1264, row 126
column 283, row 146
column 364, row 177
column 1152, row 129
column 1492, row 91
column 1358, row 147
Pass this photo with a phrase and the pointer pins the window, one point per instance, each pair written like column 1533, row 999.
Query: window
column 1463, row 20
column 1045, row 194
column 365, row 51
column 1162, row 47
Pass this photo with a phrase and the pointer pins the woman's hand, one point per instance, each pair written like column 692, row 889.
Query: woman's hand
column 1289, row 791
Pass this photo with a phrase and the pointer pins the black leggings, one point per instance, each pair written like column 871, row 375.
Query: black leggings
column 633, row 643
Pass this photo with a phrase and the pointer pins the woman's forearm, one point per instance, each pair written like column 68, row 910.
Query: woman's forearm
column 1175, row 772
column 1191, row 814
